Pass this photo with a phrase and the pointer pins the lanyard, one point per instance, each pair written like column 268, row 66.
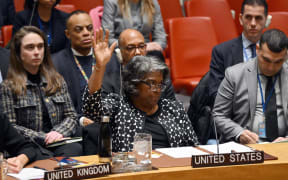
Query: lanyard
column 82, row 70
column 49, row 35
column 270, row 93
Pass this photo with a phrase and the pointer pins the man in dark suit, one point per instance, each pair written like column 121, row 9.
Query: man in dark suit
column 7, row 12
column 131, row 43
column 75, row 64
column 4, row 62
column 253, row 18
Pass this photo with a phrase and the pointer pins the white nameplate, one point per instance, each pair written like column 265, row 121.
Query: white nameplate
column 227, row 159
column 79, row 173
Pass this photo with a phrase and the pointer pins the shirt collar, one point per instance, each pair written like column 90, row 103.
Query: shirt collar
column 76, row 53
column 246, row 42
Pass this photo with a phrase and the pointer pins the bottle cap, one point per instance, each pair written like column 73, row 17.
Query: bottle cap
column 105, row 119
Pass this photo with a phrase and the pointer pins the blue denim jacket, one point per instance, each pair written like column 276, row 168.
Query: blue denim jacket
column 25, row 112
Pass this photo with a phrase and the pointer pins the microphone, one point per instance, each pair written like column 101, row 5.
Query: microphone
column 215, row 130
column 33, row 12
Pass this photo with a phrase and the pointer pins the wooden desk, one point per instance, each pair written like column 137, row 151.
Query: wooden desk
column 273, row 169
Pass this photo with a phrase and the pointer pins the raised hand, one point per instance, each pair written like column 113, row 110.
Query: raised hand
column 102, row 51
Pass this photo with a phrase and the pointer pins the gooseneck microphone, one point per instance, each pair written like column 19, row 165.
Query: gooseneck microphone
column 33, row 12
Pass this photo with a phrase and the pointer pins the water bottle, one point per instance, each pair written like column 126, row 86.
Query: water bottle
column 105, row 140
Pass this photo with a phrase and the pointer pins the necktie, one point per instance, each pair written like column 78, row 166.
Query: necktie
column 271, row 122
column 253, row 50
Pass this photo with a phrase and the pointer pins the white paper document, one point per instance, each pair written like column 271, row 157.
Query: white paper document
column 227, row 148
column 28, row 173
column 181, row 152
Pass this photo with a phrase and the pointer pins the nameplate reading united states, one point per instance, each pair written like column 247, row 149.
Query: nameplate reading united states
column 79, row 173
column 227, row 159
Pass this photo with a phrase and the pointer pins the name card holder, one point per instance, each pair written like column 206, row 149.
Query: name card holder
column 227, row 159
column 85, row 172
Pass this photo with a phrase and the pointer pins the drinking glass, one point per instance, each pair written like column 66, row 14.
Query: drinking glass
column 142, row 148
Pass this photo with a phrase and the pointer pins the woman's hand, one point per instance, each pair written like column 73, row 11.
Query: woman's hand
column 153, row 46
column 102, row 51
column 16, row 164
column 52, row 137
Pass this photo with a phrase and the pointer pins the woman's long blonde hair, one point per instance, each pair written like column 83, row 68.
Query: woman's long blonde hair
column 17, row 76
column 147, row 8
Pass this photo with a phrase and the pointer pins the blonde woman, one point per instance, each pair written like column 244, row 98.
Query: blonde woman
column 142, row 15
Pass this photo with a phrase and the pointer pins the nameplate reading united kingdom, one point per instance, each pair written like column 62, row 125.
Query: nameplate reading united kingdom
column 227, row 159
column 79, row 173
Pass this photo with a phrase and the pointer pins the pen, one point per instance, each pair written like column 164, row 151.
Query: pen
column 37, row 167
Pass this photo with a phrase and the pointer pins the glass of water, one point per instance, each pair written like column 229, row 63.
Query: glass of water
column 142, row 148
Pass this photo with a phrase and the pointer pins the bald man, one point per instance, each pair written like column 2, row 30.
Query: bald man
column 75, row 63
column 131, row 43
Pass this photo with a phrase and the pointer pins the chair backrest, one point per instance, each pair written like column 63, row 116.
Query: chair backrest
column 85, row 5
column 190, row 47
column 170, row 9
column 96, row 16
column 19, row 5
column 220, row 13
column 6, row 32
column 279, row 21
column 68, row 8
column 277, row 5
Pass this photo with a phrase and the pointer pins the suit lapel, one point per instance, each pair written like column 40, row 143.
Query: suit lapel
column 237, row 51
column 284, row 87
column 251, row 79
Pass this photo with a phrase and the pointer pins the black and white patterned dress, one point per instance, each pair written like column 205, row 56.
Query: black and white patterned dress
column 126, row 120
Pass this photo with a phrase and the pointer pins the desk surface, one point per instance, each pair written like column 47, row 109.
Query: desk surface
column 272, row 169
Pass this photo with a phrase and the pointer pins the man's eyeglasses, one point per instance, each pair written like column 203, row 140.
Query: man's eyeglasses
column 154, row 86
column 132, row 48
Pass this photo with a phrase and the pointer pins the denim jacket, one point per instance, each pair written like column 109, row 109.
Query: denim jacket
column 25, row 112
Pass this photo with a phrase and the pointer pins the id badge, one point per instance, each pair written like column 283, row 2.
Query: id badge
column 262, row 128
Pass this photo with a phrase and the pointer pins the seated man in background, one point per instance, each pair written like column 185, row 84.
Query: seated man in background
column 11, row 141
column 251, row 103
column 76, row 63
column 252, row 18
column 131, row 43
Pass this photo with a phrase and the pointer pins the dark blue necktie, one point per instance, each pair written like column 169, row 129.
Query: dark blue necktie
column 271, row 122
column 253, row 50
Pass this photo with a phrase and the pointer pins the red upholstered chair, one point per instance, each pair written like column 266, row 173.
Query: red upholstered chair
column 279, row 21
column 6, row 33
column 85, row 5
column 68, row 8
column 277, row 5
column 19, row 5
column 191, row 41
column 169, row 9
column 220, row 13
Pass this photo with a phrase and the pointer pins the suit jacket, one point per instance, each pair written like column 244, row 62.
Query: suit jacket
column 4, row 61
column 112, row 80
column 59, row 40
column 7, row 12
column 12, row 142
column 224, row 55
column 65, row 64
column 236, row 100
